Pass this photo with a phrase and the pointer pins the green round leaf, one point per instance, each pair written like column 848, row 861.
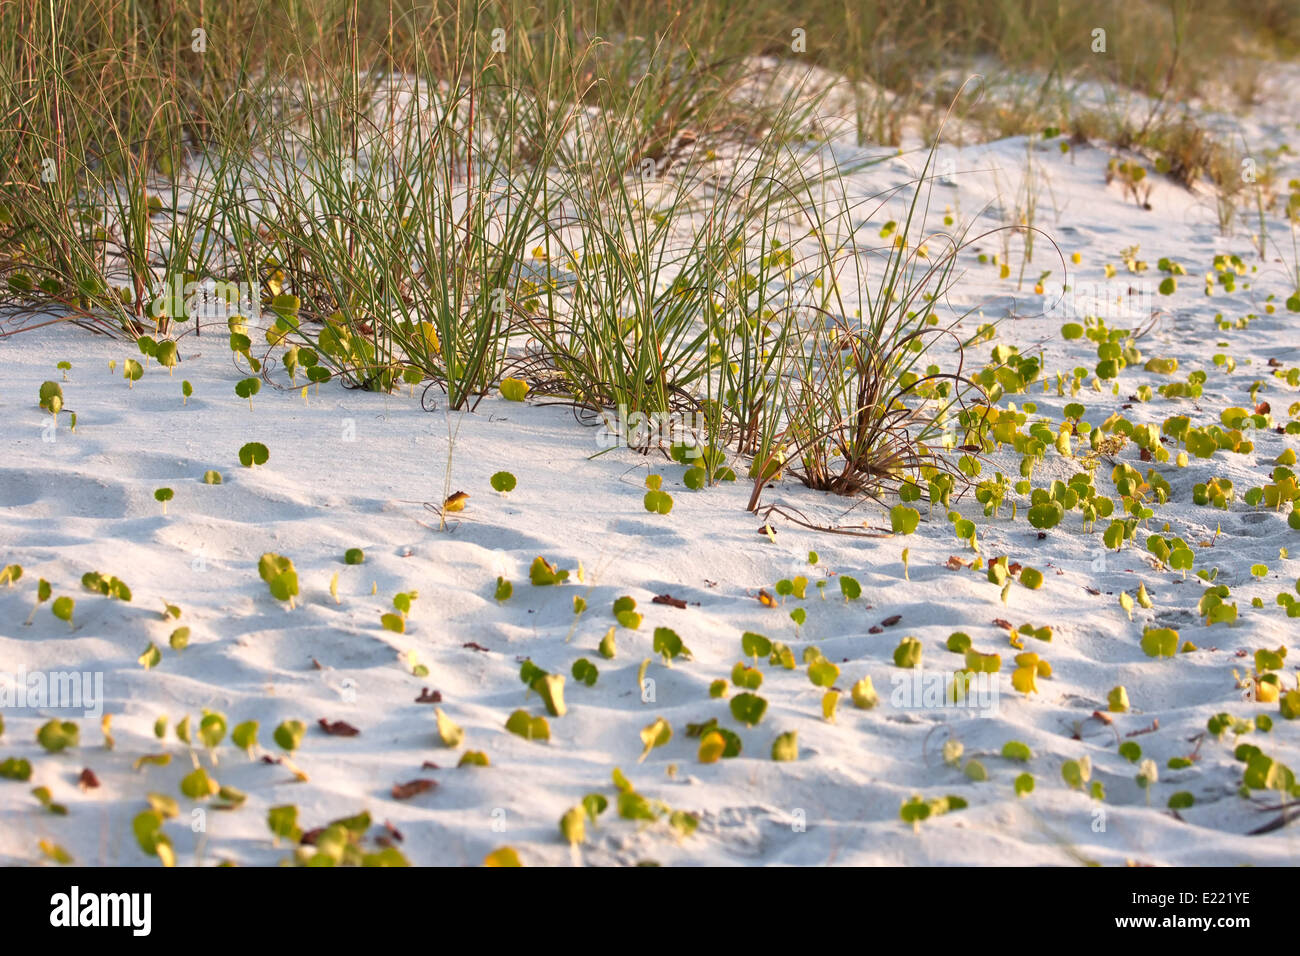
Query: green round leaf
column 253, row 453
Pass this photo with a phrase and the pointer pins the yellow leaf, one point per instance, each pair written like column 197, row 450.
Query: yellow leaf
column 55, row 852
column 830, row 700
column 450, row 733
column 712, row 746
column 502, row 856
column 431, row 342
column 655, row 735
column 514, row 389
column 1024, row 679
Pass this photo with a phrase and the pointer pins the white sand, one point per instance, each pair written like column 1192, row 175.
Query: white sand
column 352, row 469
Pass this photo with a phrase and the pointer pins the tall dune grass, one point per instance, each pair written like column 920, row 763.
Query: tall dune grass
column 587, row 195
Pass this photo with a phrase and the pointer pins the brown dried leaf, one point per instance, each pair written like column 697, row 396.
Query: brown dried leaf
column 338, row 728
column 405, row 791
